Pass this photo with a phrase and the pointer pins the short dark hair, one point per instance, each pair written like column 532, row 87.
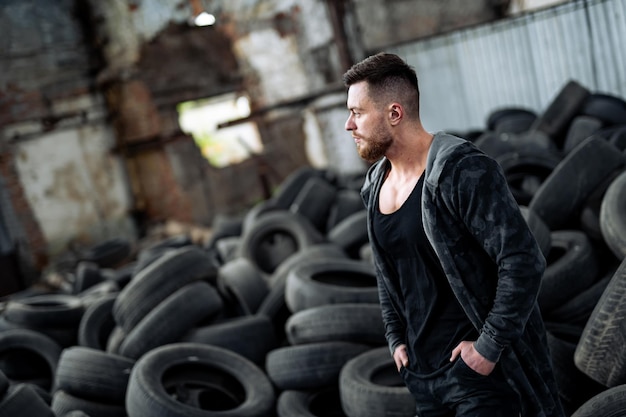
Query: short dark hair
column 388, row 77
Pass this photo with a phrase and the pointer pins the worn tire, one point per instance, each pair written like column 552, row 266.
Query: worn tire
column 159, row 280
column 358, row 323
column 172, row 318
column 93, row 375
column 310, row 366
column 208, row 381
column 600, row 352
column 370, row 386
column 609, row 403
column 310, row 403
column 613, row 216
column 330, row 281
column 560, row 198
column 572, row 267
column 274, row 237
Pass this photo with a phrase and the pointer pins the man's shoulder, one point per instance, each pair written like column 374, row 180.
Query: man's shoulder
column 447, row 151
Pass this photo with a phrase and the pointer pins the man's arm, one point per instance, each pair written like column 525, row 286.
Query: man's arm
column 492, row 216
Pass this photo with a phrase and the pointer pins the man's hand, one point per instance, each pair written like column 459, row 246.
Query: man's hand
column 400, row 357
column 471, row 357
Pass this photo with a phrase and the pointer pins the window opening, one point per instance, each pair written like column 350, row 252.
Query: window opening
column 227, row 145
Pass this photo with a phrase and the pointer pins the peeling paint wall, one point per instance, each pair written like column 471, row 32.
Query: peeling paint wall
column 76, row 188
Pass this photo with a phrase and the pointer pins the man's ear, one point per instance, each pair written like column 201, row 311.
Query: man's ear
column 396, row 113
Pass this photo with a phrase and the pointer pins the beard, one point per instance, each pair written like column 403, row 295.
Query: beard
column 375, row 147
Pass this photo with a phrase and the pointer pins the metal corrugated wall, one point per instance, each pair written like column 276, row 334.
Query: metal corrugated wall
column 522, row 62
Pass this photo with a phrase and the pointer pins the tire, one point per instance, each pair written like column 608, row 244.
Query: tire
column 525, row 172
column 290, row 187
column 580, row 129
column 347, row 202
column 310, row 366
column 159, row 280
column 93, row 375
column 229, row 335
column 556, row 118
column 330, row 281
column 63, row 403
column 370, row 386
column 41, row 311
column 87, row 275
column 42, row 352
column 577, row 310
column 590, row 214
column 310, row 403
column 498, row 116
column 611, row 110
column 313, row 202
column 613, row 216
column 539, row 229
column 109, row 253
column 600, row 353
column 562, row 195
column 97, row 323
column 609, row 403
column 208, row 381
column 274, row 237
column 572, row 267
column 171, row 319
column 358, row 323
column 274, row 306
column 240, row 281
column 574, row 386
column 350, row 234
column 21, row 400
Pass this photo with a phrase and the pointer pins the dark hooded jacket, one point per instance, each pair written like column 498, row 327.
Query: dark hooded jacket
column 490, row 258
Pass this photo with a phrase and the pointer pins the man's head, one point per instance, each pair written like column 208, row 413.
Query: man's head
column 389, row 78
column 383, row 96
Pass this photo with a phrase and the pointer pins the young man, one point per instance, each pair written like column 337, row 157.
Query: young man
column 458, row 268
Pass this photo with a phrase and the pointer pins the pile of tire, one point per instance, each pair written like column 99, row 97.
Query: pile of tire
column 277, row 314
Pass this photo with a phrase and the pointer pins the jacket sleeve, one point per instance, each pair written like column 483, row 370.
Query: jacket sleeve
column 492, row 216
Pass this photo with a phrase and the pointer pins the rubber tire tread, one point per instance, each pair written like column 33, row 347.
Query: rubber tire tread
column 171, row 319
column 159, row 280
column 310, row 366
column 358, row 323
column 600, row 352
column 608, row 403
column 228, row 335
column 613, row 216
column 561, row 195
column 93, row 375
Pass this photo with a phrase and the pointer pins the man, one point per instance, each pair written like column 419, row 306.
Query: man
column 458, row 269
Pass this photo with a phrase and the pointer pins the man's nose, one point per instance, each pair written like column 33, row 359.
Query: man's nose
column 349, row 123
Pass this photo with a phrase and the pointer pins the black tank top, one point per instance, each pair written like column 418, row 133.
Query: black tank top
column 435, row 320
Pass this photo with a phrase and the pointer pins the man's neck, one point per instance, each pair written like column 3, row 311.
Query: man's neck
column 408, row 159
